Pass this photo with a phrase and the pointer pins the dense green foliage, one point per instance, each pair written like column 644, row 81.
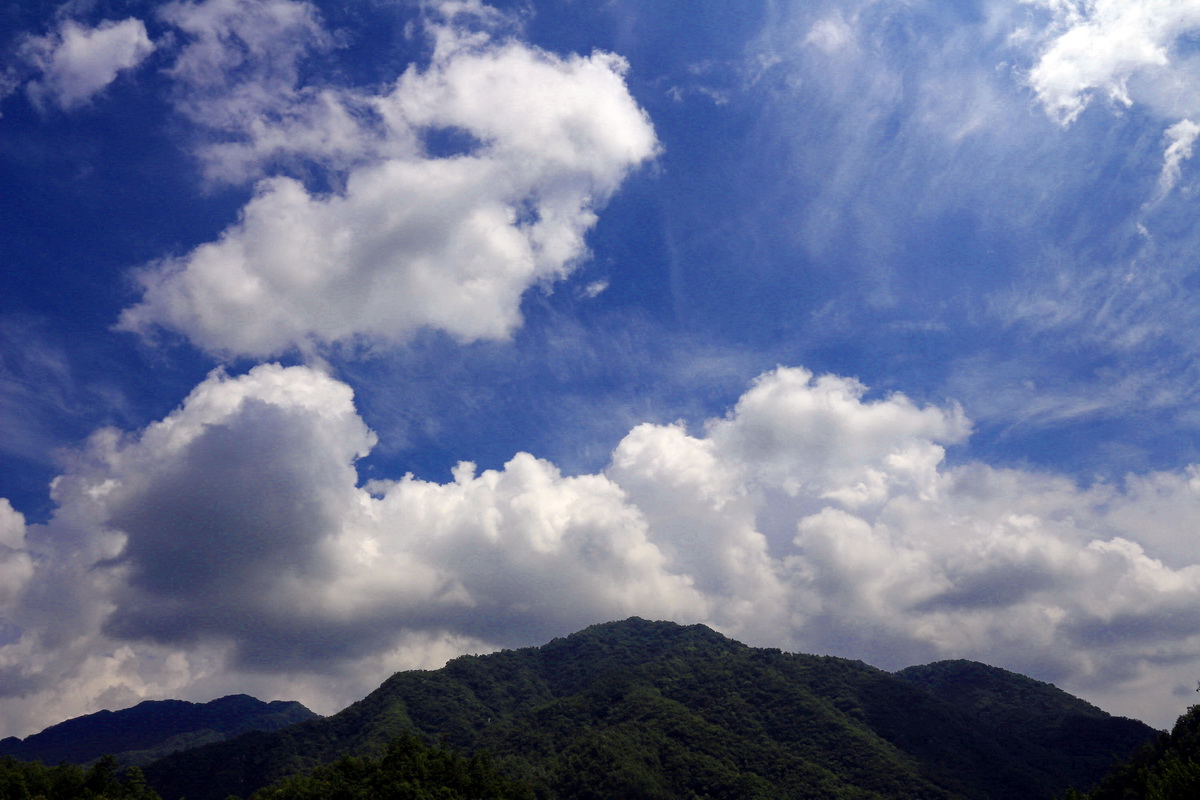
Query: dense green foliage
column 32, row 780
column 152, row 729
column 658, row 710
column 407, row 770
column 1166, row 769
column 1057, row 733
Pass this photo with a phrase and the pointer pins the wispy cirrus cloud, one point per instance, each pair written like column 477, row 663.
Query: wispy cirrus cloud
column 930, row 174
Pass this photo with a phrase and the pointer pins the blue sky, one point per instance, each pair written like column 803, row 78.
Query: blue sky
column 343, row 338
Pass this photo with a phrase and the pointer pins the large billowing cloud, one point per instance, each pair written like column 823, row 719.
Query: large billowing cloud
column 456, row 189
column 232, row 542
column 16, row 566
column 77, row 62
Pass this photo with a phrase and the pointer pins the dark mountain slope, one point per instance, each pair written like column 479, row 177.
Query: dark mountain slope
column 1057, row 730
column 152, row 729
column 1166, row 769
column 653, row 709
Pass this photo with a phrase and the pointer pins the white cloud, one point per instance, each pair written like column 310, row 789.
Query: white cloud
column 231, row 537
column 259, row 44
column 16, row 566
column 77, row 62
column 237, row 77
column 594, row 288
column 230, row 545
column 414, row 239
column 1180, row 138
column 814, row 518
column 927, row 139
column 817, row 437
column 1104, row 45
column 831, row 33
column 703, row 517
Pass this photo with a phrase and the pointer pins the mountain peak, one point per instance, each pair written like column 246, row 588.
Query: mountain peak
column 643, row 708
column 650, row 633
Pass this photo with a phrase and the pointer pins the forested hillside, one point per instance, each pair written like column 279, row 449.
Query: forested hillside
column 1058, row 733
column 1167, row 769
column 658, row 710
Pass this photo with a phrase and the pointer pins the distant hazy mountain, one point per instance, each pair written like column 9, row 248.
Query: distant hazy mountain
column 658, row 710
column 153, row 729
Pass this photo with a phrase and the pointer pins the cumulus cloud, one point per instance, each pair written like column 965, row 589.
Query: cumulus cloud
column 416, row 237
column 232, row 541
column 77, row 62
column 1103, row 47
column 233, row 533
column 16, row 566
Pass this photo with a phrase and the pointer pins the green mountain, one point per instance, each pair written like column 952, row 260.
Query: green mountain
column 1057, row 732
column 153, row 729
column 658, row 710
column 1166, row 769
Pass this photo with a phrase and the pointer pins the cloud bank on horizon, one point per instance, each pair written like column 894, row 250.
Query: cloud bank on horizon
column 233, row 539
column 649, row 273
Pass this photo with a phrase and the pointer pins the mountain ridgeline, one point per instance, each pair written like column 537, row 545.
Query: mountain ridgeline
column 658, row 710
column 153, row 729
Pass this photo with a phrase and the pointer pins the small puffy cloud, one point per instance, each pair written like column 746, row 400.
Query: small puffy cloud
column 230, row 545
column 594, row 288
column 77, row 62
column 414, row 239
